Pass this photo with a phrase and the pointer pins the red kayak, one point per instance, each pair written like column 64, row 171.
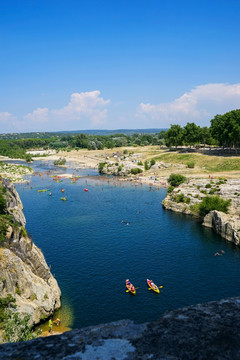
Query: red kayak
column 130, row 287
column 85, row 189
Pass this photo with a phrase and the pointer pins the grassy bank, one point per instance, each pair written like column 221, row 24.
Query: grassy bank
column 205, row 162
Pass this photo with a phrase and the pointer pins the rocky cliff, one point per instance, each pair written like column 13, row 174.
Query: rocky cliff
column 187, row 196
column 24, row 272
column 203, row 331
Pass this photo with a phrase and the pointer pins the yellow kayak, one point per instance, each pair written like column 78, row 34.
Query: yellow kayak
column 153, row 286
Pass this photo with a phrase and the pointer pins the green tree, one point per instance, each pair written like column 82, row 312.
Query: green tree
column 191, row 134
column 17, row 328
column 205, row 136
column 174, row 136
column 225, row 129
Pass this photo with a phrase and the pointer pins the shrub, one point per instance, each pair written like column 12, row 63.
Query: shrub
column 210, row 203
column 60, row 161
column 17, row 290
column 191, row 164
column 136, row 171
column 24, row 232
column 101, row 166
column 152, row 162
column 208, row 186
column 212, row 191
column 5, row 222
column 176, row 179
column 119, row 168
column 146, row 166
column 28, row 158
column 195, row 208
column 140, row 163
column 125, row 151
column 3, row 202
column 7, row 302
column 170, row 189
column 180, row 198
column 33, row 297
column 198, row 187
column 17, row 328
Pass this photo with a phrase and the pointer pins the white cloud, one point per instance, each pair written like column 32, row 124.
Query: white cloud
column 84, row 110
column 87, row 105
column 198, row 105
column 5, row 117
column 40, row 115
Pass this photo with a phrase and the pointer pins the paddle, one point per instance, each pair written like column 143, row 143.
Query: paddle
column 135, row 289
column 160, row 287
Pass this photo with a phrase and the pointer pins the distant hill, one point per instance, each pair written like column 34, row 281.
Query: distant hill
column 46, row 135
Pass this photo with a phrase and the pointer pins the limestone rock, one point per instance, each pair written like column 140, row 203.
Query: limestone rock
column 226, row 225
column 24, row 272
column 202, row 331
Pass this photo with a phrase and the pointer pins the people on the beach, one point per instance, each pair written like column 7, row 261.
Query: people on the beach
column 57, row 322
column 50, row 324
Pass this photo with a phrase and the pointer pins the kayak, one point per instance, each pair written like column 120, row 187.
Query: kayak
column 130, row 287
column 153, row 286
column 63, row 199
column 85, row 189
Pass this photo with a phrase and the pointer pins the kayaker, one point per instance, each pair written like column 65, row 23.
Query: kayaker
column 50, row 324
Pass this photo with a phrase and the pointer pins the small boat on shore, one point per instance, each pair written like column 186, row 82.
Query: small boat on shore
column 153, row 286
column 130, row 287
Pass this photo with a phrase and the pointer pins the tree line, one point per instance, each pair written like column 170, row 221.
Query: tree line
column 17, row 148
column 223, row 131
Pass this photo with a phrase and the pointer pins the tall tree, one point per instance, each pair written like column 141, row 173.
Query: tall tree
column 226, row 128
column 191, row 133
column 174, row 136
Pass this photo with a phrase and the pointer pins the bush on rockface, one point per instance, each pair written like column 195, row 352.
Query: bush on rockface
column 210, row 203
column 176, row 179
column 136, row 171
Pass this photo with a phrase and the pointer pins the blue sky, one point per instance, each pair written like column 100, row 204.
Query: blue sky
column 70, row 65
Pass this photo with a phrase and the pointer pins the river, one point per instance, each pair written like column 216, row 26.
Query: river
column 92, row 252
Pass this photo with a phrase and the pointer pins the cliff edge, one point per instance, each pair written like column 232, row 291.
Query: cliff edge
column 24, row 272
column 186, row 197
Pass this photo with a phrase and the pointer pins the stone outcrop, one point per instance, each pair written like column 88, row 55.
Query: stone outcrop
column 203, row 331
column 24, row 272
column 226, row 225
column 123, row 167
